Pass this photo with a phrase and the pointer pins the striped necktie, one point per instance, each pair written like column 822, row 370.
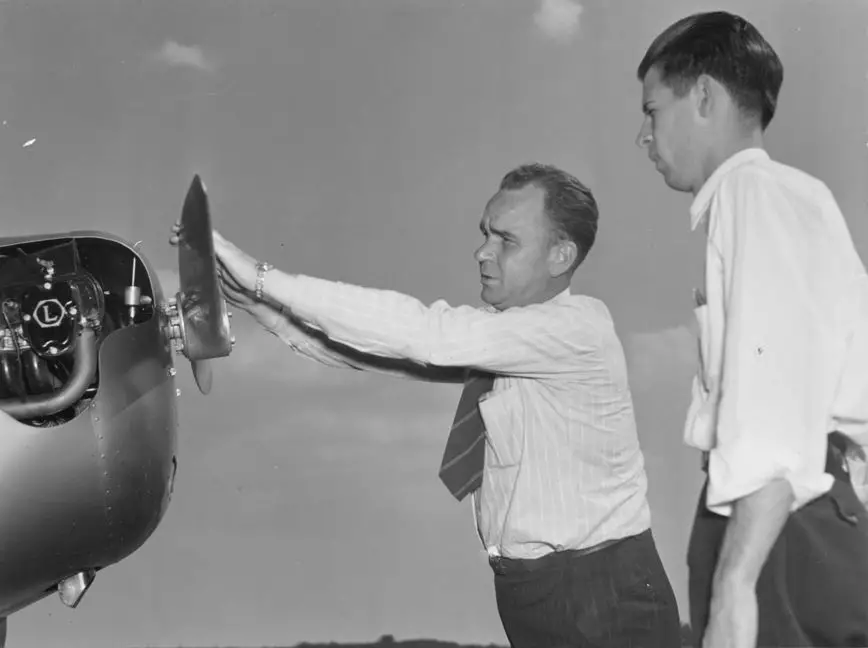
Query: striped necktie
column 464, row 458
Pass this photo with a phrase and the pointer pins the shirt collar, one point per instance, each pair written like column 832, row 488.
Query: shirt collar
column 703, row 197
column 561, row 296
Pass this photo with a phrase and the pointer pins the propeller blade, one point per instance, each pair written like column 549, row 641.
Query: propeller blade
column 203, row 375
column 200, row 300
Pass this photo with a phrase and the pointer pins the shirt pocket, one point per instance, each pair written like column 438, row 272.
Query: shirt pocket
column 504, row 432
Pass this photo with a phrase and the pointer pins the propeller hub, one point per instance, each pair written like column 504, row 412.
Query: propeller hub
column 175, row 326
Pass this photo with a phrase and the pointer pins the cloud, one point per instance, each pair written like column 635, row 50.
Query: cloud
column 660, row 356
column 273, row 432
column 558, row 19
column 177, row 55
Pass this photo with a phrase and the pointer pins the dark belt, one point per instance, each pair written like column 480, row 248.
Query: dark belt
column 836, row 456
column 505, row 566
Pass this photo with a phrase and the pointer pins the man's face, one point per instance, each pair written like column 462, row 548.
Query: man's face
column 670, row 132
column 514, row 260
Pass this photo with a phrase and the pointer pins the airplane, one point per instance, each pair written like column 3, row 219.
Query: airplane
column 88, row 417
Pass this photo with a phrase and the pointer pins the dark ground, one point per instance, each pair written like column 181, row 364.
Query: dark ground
column 388, row 641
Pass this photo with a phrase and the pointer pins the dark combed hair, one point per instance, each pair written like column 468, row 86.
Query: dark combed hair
column 727, row 48
column 569, row 204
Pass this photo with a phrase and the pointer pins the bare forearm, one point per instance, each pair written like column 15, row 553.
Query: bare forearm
column 756, row 522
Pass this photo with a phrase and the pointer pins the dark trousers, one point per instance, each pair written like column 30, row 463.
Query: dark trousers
column 617, row 597
column 813, row 588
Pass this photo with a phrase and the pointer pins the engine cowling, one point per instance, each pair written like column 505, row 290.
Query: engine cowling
column 58, row 300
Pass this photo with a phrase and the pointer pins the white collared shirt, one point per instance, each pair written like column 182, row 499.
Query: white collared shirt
column 563, row 466
column 784, row 333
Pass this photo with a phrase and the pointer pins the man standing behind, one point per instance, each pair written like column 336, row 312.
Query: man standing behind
column 779, row 548
column 544, row 440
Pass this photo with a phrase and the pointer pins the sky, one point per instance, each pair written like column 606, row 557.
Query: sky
column 359, row 141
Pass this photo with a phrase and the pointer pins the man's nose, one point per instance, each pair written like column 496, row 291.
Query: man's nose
column 643, row 139
column 483, row 253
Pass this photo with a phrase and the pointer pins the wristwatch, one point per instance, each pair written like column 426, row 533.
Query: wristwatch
column 261, row 268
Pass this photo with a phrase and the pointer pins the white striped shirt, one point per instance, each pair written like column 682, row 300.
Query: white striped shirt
column 563, row 466
column 784, row 333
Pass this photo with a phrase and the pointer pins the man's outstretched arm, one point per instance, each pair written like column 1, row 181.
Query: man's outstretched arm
column 533, row 341
column 539, row 340
column 313, row 345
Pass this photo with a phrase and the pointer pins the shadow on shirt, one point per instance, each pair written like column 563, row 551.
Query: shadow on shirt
column 370, row 362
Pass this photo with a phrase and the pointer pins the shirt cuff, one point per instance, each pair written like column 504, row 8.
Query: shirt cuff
column 740, row 469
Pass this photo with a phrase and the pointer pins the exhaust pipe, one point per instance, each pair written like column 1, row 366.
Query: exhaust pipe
column 83, row 372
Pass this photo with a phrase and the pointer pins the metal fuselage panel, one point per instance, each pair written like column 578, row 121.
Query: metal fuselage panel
column 89, row 492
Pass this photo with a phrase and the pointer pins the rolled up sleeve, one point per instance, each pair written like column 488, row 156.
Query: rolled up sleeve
column 772, row 408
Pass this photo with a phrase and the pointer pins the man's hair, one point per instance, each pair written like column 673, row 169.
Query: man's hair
column 569, row 204
column 727, row 48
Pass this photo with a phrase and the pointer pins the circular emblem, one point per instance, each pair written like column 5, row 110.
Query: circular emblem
column 49, row 313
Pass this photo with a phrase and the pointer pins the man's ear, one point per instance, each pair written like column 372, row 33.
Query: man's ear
column 705, row 92
column 562, row 257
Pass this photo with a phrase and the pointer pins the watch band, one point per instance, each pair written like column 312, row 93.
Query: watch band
column 261, row 268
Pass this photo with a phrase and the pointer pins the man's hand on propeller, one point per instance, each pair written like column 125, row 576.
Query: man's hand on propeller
column 236, row 271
